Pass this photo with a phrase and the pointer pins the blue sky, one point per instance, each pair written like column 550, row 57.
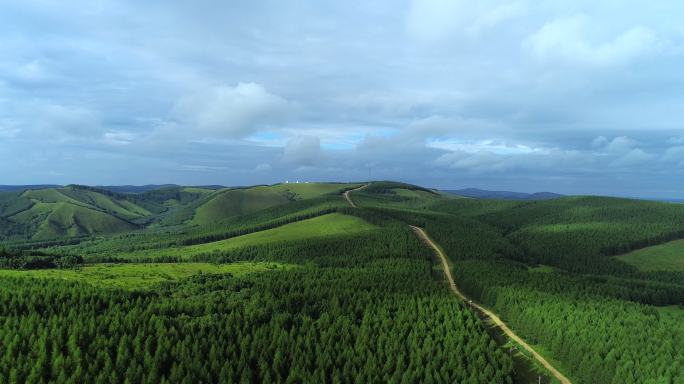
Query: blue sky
column 568, row 96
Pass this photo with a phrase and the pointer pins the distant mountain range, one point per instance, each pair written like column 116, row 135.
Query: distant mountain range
column 503, row 195
column 17, row 188
column 111, row 188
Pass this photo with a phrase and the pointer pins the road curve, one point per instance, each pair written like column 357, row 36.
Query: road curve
column 452, row 285
column 346, row 195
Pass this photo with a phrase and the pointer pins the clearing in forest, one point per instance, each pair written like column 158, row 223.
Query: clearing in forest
column 663, row 257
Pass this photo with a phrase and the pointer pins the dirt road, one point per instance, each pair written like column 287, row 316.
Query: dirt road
column 346, row 195
column 494, row 318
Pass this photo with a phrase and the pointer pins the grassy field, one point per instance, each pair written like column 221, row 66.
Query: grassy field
column 141, row 276
column 236, row 202
column 664, row 257
column 327, row 225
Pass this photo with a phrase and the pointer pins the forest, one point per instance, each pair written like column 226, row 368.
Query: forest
column 289, row 283
column 364, row 309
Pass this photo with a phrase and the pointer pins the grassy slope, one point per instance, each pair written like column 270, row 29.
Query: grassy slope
column 72, row 220
column 64, row 219
column 236, row 202
column 78, row 211
column 233, row 202
column 664, row 257
column 327, row 225
column 140, row 276
column 67, row 212
column 120, row 207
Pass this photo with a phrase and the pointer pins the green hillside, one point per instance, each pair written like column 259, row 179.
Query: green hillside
column 67, row 212
column 69, row 220
column 322, row 226
column 234, row 202
column 574, row 232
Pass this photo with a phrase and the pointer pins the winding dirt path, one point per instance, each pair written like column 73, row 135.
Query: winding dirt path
column 494, row 318
column 454, row 288
column 346, row 195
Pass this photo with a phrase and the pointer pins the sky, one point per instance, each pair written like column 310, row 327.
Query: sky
column 576, row 97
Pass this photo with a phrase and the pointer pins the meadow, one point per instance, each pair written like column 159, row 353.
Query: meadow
column 663, row 257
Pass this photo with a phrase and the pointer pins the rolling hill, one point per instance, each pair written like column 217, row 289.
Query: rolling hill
column 228, row 203
column 581, row 279
column 65, row 212
column 77, row 211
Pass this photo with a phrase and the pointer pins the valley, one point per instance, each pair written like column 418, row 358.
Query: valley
column 415, row 285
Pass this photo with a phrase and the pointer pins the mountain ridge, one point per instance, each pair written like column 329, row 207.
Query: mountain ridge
column 477, row 193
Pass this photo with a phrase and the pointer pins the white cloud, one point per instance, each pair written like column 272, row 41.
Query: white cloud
column 514, row 158
column 634, row 157
column 232, row 111
column 622, row 151
column 441, row 20
column 118, row 138
column 486, row 146
column 568, row 39
column 620, row 145
column 303, row 151
column 599, row 142
column 499, row 85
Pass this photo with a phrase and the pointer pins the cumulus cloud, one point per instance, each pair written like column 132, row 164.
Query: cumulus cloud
column 232, row 111
column 623, row 151
column 636, row 156
column 443, row 93
column 620, row 145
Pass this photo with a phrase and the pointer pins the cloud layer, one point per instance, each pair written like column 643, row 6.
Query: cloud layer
column 569, row 96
